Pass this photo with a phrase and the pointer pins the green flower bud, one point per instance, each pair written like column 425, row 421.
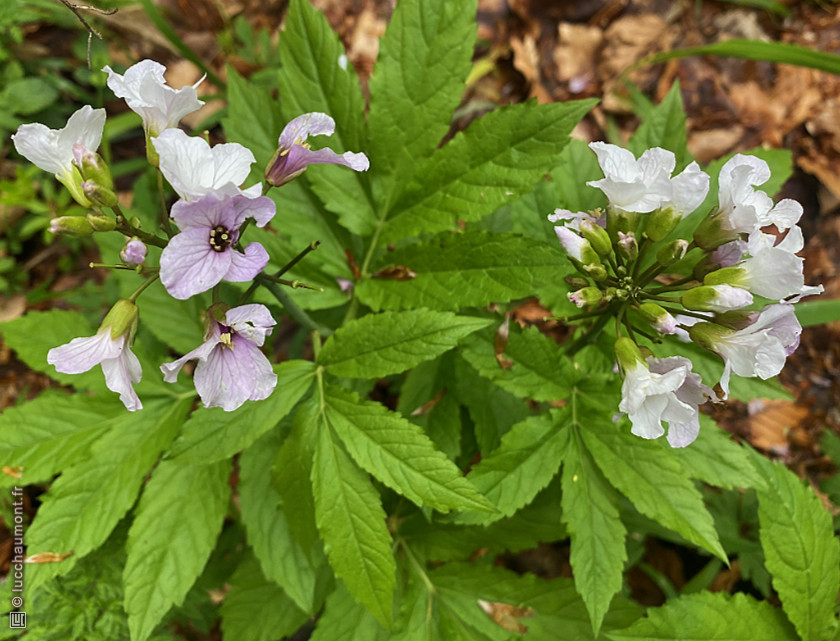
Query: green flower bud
column 710, row 233
column 93, row 168
column 586, row 297
column 658, row 318
column 716, row 298
column 628, row 355
column 660, row 223
column 596, row 272
column 672, row 252
column 72, row 225
column 597, row 237
column 619, row 220
column 576, row 282
column 72, row 179
column 707, row 335
column 101, row 222
column 99, row 195
column 725, row 276
column 122, row 319
column 627, row 246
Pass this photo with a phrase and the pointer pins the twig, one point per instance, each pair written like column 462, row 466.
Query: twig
column 76, row 9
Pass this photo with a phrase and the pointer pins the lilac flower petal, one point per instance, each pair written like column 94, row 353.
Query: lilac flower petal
column 120, row 373
column 261, row 209
column 243, row 267
column 205, row 213
column 189, row 265
column 253, row 322
column 81, row 354
column 202, row 352
column 229, row 376
column 300, row 128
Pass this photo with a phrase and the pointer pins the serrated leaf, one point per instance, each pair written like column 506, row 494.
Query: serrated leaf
column 36, row 333
column 175, row 528
column 590, row 510
column 292, row 563
column 253, row 118
column 255, row 609
column 710, row 617
column 802, row 554
column 345, row 619
column 452, row 271
column 499, row 157
column 664, row 127
column 89, row 498
column 399, row 454
column 528, row 457
column 538, row 369
column 212, row 434
column 391, row 342
column 52, row 432
column 316, row 77
column 351, row 522
column 417, row 83
column 646, row 474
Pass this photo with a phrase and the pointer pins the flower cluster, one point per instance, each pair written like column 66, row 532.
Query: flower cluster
column 211, row 213
column 635, row 268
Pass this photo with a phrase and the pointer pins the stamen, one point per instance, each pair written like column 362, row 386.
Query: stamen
column 220, row 238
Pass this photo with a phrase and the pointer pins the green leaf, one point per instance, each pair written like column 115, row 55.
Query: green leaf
column 452, row 271
column 499, row 157
column 174, row 531
column 710, row 617
column 52, row 432
column 818, row 312
column 255, row 609
column 89, row 498
column 664, row 127
column 801, row 551
column 590, row 510
column 253, row 118
column 176, row 323
column 351, row 522
column 424, row 59
column 527, row 459
column 292, row 563
column 392, row 342
column 316, row 77
column 345, row 619
column 716, row 459
column 26, row 96
column 36, row 333
column 649, row 476
column 212, row 434
column 399, row 454
column 537, row 368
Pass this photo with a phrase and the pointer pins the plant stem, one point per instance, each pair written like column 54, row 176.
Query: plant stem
column 164, row 214
column 143, row 286
column 124, row 227
column 590, row 334
column 291, row 307
column 311, row 247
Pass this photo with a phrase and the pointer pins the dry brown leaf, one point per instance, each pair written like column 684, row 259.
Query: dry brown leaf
column 506, row 616
column 12, row 307
column 769, row 427
column 576, row 54
column 47, row 557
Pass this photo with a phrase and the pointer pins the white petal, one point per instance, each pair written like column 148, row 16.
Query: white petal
column 81, row 354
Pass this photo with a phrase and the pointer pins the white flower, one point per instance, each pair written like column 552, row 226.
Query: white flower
column 572, row 220
column 194, row 169
column 145, row 91
column 663, row 390
column 759, row 349
column 689, row 190
column 745, row 210
column 52, row 149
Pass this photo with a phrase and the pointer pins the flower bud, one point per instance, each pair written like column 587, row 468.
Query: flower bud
column 577, row 248
column 707, row 335
column 122, row 319
column 93, row 167
column 597, row 237
column 716, row 298
column 619, row 220
column 134, row 253
column 658, row 318
column 725, row 276
column 660, row 223
column 101, row 222
column 710, row 232
column 576, row 282
column 672, row 252
column 736, row 319
column 596, row 272
column 628, row 355
column 627, row 246
column 72, row 179
column 72, row 225
column 99, row 195
column 586, row 297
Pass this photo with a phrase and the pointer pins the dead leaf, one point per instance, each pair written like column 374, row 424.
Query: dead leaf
column 396, row 272
column 770, row 425
column 506, row 616
column 48, row 557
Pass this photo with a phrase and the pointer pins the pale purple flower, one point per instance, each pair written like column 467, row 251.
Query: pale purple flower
column 634, row 185
column 293, row 154
column 134, row 252
column 195, row 170
column 575, row 246
column 203, row 253
column 146, row 93
column 110, row 348
column 231, row 368
column 52, row 149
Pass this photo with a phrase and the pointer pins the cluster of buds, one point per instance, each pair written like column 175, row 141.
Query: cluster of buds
column 211, row 214
column 633, row 270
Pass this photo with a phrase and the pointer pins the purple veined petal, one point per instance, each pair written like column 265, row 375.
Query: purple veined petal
column 201, row 353
column 189, row 265
column 265, row 380
column 205, row 213
column 81, row 354
column 226, row 379
column 253, row 322
column 300, row 128
column 120, row 373
column 683, row 434
column 299, row 158
column 243, row 267
column 261, row 209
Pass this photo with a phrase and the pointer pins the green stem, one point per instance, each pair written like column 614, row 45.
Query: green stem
column 294, row 284
column 124, row 227
column 164, row 214
column 311, row 247
column 589, row 335
column 143, row 286
column 688, row 312
column 291, row 307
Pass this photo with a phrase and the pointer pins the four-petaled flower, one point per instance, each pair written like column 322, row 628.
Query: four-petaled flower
column 110, row 348
column 293, row 154
column 203, row 253
column 231, row 368
column 146, row 93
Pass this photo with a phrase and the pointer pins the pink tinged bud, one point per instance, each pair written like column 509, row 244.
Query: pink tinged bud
column 658, row 318
column 628, row 246
column 71, row 225
column 576, row 247
column 99, row 195
column 586, row 297
column 716, row 298
column 134, row 253
column 101, row 222
column 672, row 252
column 294, row 155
